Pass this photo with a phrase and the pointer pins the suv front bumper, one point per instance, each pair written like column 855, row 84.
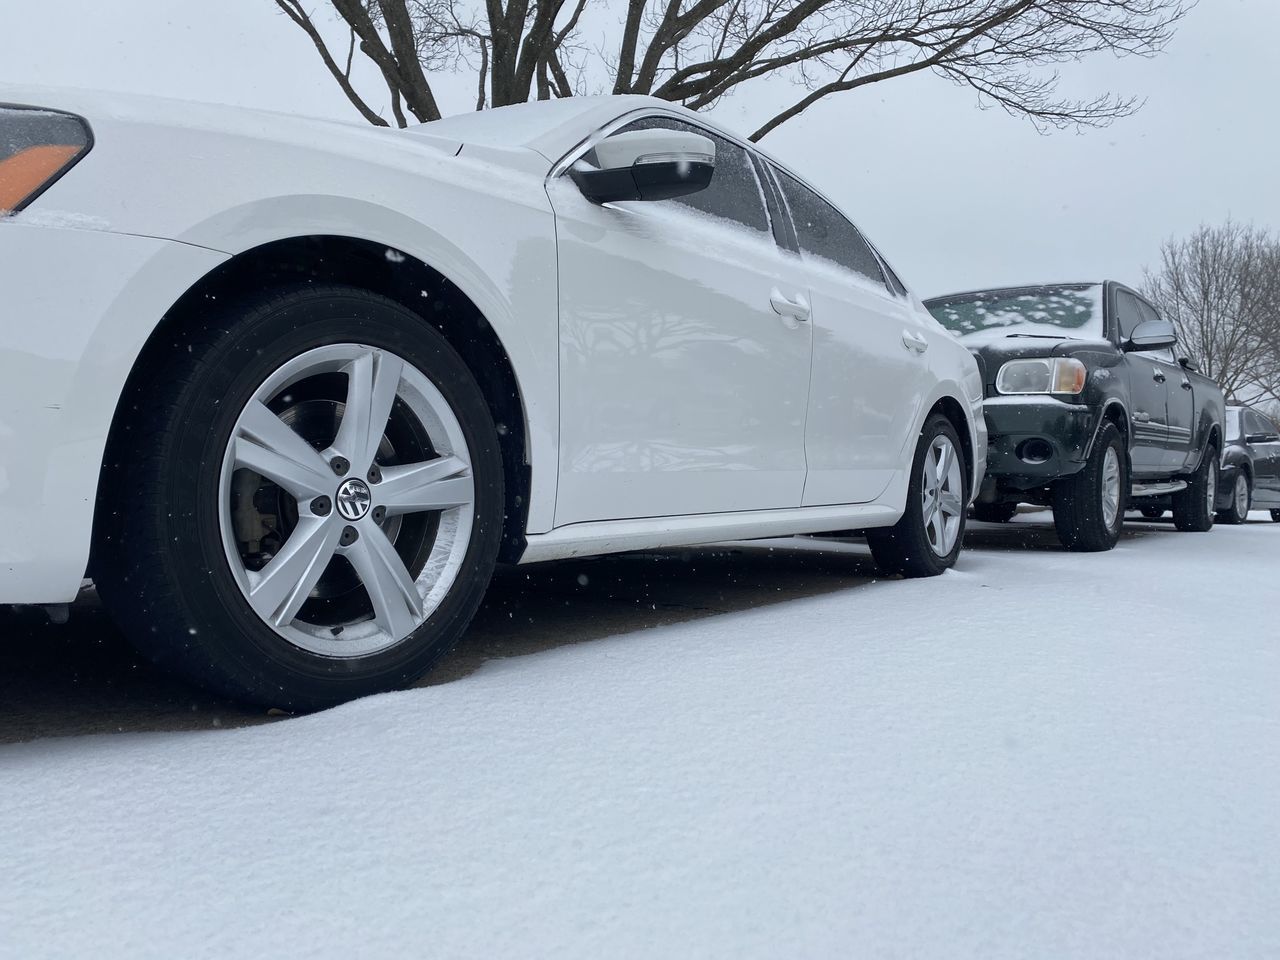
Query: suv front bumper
column 1035, row 439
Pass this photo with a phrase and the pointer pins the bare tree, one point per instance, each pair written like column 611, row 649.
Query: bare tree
column 696, row 51
column 1221, row 288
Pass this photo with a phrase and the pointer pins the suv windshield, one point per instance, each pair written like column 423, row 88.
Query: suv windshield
column 1063, row 310
column 1234, row 426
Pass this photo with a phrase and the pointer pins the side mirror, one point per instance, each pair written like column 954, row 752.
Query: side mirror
column 1151, row 335
column 647, row 165
column 1188, row 364
column 1257, row 437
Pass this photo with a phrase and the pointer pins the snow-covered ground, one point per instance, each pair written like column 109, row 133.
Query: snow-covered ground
column 1037, row 755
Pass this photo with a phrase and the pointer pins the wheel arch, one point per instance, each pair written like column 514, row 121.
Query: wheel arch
column 380, row 269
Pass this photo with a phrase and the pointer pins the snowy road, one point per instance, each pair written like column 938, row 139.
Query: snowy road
column 725, row 753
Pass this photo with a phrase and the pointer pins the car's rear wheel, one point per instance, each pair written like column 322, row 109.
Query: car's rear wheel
column 927, row 539
column 1194, row 508
column 995, row 512
column 1088, row 507
column 1241, row 500
column 308, row 505
column 1153, row 513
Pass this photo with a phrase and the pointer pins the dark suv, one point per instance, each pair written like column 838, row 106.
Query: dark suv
column 1087, row 409
column 1250, row 466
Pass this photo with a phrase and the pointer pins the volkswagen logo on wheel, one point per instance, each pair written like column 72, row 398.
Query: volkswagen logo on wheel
column 353, row 499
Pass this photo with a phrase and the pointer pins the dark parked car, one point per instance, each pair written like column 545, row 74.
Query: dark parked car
column 1250, row 466
column 1087, row 409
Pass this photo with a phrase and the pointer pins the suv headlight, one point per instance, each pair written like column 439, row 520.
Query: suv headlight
column 36, row 148
column 1042, row 375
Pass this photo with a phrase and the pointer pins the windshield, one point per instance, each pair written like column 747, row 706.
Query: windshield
column 1063, row 310
column 1234, row 431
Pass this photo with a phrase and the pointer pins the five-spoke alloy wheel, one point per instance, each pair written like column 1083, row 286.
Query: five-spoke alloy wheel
column 320, row 500
column 926, row 541
column 347, row 484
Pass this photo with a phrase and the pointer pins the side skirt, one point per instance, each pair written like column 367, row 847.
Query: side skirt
column 615, row 536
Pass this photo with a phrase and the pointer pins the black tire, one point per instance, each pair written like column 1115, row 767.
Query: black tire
column 160, row 564
column 1153, row 513
column 1275, row 516
column 995, row 512
column 1232, row 513
column 1078, row 500
column 1194, row 508
column 905, row 547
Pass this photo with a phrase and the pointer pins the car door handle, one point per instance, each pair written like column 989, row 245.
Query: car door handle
column 1186, row 384
column 1158, row 377
column 797, row 308
column 914, row 341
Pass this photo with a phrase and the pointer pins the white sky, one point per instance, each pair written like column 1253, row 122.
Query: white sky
column 956, row 197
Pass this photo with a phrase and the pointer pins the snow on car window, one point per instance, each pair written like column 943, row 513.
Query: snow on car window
column 1063, row 310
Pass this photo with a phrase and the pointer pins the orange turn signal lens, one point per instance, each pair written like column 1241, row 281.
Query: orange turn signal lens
column 36, row 147
column 1069, row 375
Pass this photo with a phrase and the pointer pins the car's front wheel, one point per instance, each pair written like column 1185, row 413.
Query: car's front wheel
column 308, row 504
column 926, row 540
column 1194, row 508
column 1088, row 507
column 1241, row 500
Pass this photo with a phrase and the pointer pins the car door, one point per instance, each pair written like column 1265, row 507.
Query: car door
column 1266, row 464
column 1180, row 405
column 869, row 372
column 683, row 388
column 1148, row 393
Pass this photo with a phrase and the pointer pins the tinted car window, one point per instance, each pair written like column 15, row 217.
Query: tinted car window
column 734, row 192
column 823, row 231
column 1128, row 313
column 1256, row 423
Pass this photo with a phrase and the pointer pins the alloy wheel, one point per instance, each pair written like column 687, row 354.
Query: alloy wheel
column 1242, row 496
column 346, row 500
column 942, row 495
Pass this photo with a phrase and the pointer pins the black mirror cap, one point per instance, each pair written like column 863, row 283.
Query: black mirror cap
column 1258, row 438
column 662, row 180
column 1188, row 364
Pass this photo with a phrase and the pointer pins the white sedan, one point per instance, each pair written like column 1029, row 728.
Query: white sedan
column 287, row 390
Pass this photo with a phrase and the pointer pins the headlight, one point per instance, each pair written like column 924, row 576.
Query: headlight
column 36, row 148
column 1042, row 375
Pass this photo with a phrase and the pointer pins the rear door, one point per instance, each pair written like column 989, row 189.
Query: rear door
column 1148, row 392
column 870, row 376
column 683, row 390
column 1266, row 464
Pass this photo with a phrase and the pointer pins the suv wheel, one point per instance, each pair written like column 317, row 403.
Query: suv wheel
column 1088, row 508
column 1241, row 500
column 308, row 504
column 1193, row 508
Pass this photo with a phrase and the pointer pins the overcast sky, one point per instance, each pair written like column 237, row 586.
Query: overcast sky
column 956, row 197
